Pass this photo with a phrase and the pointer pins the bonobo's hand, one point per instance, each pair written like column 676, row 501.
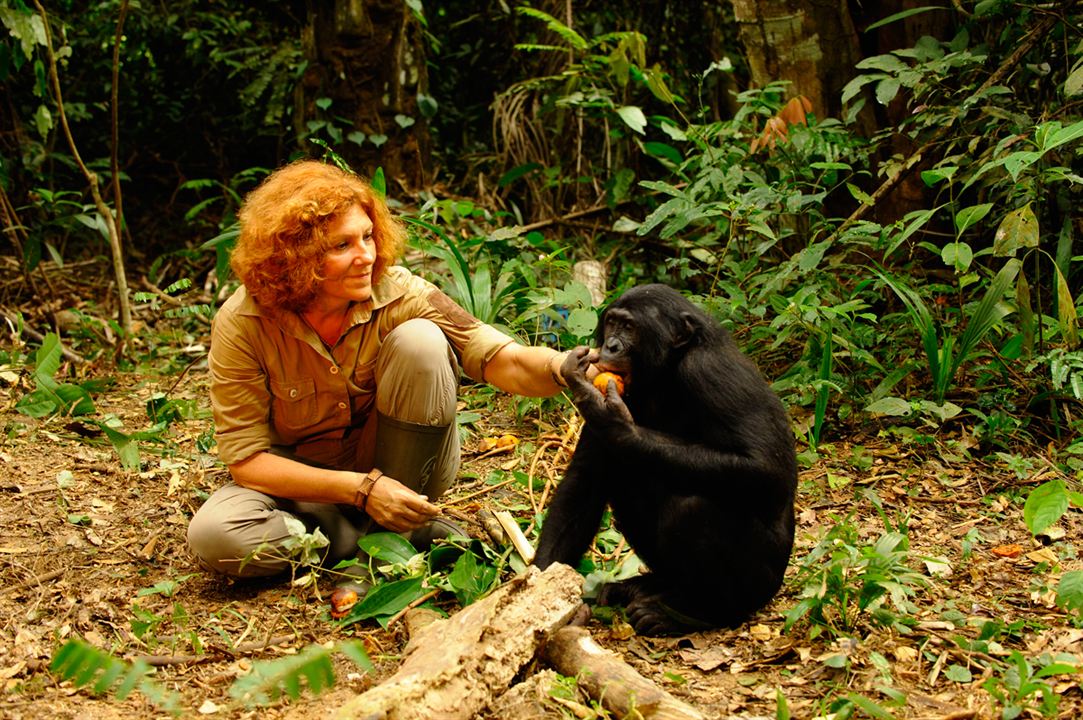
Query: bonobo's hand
column 607, row 414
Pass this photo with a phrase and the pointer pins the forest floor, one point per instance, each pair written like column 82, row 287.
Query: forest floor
column 90, row 550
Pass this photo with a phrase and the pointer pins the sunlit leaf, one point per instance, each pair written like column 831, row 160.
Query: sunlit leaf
column 1045, row 505
column 1018, row 229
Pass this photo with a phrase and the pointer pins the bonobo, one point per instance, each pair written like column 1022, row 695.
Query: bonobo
column 696, row 460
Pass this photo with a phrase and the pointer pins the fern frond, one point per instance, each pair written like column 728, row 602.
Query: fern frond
column 566, row 33
column 270, row 679
column 83, row 664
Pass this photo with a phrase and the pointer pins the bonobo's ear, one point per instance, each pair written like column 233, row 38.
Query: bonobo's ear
column 687, row 330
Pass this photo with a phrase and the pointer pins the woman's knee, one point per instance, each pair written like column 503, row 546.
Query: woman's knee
column 417, row 374
column 236, row 533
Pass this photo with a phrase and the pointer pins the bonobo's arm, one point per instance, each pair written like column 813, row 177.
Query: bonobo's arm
column 610, row 419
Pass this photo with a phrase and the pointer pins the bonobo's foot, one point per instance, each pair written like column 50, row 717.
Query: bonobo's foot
column 647, row 609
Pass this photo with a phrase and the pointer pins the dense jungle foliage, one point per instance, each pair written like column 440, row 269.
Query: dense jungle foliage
column 948, row 299
column 912, row 265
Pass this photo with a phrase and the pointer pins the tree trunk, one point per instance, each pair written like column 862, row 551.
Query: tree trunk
column 810, row 43
column 368, row 58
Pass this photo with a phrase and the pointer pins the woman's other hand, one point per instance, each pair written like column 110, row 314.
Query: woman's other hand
column 396, row 507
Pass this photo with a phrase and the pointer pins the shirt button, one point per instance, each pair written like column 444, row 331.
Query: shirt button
column 334, row 370
column 342, row 406
column 293, row 392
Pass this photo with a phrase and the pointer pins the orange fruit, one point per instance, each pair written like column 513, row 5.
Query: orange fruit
column 601, row 381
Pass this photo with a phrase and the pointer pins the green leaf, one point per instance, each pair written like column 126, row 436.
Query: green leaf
column 968, row 216
column 387, row 546
column 126, row 446
column 1062, row 136
column 957, row 255
column 958, row 673
column 1070, row 590
column 1045, row 505
column 886, row 90
column 323, row 103
column 633, row 117
column 1018, row 229
column 932, row 177
column 1074, row 84
column 378, row 182
column 890, row 406
column 901, row 16
column 386, row 600
column 1066, row 313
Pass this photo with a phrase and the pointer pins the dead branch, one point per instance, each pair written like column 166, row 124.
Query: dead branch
column 606, row 677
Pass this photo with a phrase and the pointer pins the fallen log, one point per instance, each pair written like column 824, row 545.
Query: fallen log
column 456, row 666
column 605, row 676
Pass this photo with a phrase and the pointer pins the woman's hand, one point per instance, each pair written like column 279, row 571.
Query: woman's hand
column 396, row 507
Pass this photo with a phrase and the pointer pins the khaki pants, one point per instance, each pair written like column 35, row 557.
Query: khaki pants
column 240, row 532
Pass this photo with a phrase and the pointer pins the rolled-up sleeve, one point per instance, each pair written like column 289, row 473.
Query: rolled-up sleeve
column 474, row 342
column 240, row 398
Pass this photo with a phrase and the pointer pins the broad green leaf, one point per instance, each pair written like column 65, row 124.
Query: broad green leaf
column 968, row 216
column 633, row 117
column 887, row 63
column 388, row 547
column 1017, row 162
column 1074, row 84
column 858, row 194
column 1066, row 313
column 387, row 599
column 656, row 83
column 957, row 255
column 890, row 406
column 126, row 446
column 1062, row 136
column 886, row 90
column 1070, row 590
column 932, row 177
column 1045, row 505
column 1018, row 229
column 958, row 673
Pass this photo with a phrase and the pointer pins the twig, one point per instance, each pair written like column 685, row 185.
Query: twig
column 1006, row 67
column 215, row 654
column 114, row 164
column 420, row 601
column 92, row 179
column 483, row 491
column 35, row 335
column 36, row 581
column 553, row 221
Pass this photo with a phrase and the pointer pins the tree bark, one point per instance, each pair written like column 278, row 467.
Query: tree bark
column 456, row 667
column 810, row 43
column 368, row 57
column 605, row 676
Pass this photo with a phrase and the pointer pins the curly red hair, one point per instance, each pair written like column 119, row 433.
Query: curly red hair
column 284, row 225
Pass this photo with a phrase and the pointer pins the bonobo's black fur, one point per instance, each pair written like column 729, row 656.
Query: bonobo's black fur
column 697, row 461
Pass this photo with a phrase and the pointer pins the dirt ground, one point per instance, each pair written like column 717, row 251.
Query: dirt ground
column 85, row 547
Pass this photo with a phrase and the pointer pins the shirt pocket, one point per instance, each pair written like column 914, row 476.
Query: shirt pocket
column 294, row 406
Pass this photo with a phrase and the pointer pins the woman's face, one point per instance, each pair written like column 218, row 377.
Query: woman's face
column 347, row 265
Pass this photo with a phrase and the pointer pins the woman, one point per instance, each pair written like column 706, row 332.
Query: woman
column 334, row 377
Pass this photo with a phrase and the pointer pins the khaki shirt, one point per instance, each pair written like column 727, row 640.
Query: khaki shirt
column 274, row 382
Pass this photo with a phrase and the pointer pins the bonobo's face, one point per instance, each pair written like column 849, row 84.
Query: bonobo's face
column 619, row 339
